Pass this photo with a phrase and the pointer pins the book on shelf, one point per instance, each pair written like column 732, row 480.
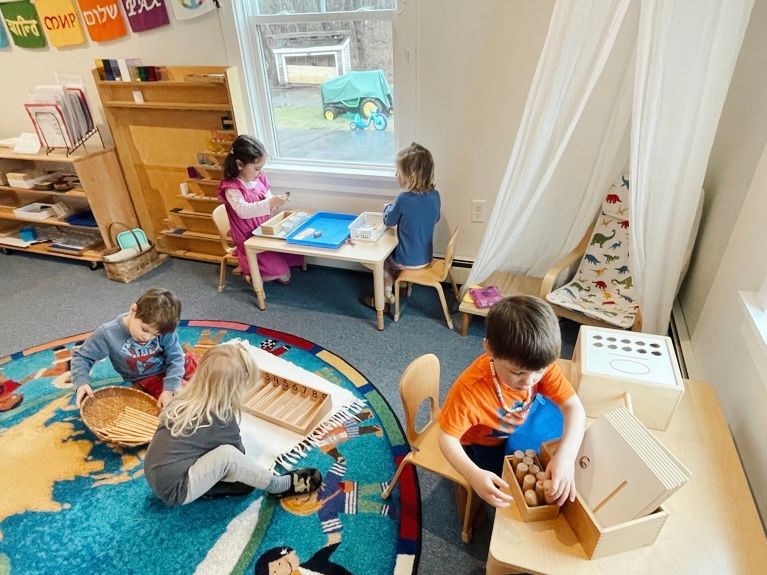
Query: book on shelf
column 485, row 297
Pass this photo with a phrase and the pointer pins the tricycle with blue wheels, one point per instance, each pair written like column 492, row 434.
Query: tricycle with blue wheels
column 376, row 118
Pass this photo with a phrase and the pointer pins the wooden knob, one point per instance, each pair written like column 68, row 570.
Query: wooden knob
column 533, row 469
column 547, row 491
column 530, row 453
column 528, row 482
column 539, row 490
column 529, row 460
column 531, row 498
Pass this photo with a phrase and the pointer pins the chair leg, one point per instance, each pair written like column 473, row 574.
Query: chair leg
column 466, row 533
column 222, row 275
column 456, row 293
column 449, row 319
column 396, row 300
column 386, row 492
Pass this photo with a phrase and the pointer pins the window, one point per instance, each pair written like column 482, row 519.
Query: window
column 320, row 74
column 754, row 327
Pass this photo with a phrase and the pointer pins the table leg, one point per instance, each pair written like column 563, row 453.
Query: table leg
column 255, row 278
column 465, row 319
column 378, row 294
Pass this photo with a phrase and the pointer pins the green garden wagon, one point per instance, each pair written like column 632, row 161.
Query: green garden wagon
column 354, row 92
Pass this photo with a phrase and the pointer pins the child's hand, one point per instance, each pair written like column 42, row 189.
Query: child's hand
column 277, row 201
column 561, row 471
column 488, row 486
column 164, row 399
column 81, row 392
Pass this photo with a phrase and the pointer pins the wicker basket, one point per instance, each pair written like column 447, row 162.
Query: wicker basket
column 129, row 270
column 108, row 403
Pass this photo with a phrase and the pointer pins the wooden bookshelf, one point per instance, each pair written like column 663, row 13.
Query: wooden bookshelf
column 159, row 138
column 102, row 190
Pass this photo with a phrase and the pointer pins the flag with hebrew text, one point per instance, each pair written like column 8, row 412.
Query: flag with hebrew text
column 145, row 15
column 60, row 21
column 103, row 19
column 23, row 24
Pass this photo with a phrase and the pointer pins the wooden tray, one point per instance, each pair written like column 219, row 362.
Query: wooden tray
column 287, row 403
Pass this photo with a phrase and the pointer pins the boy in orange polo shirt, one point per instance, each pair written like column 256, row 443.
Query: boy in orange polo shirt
column 492, row 397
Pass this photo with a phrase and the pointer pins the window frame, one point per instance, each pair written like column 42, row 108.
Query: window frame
column 753, row 330
column 356, row 178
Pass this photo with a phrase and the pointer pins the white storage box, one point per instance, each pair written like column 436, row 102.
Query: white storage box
column 35, row 211
column 609, row 362
column 368, row 226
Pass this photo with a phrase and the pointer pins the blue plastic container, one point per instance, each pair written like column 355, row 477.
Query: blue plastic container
column 333, row 227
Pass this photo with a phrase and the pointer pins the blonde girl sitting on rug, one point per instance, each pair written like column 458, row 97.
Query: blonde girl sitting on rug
column 197, row 450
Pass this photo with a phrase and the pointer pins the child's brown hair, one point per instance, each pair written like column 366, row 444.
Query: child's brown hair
column 525, row 331
column 159, row 308
column 415, row 166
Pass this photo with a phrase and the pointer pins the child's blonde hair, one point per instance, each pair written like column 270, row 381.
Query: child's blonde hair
column 225, row 372
column 416, row 168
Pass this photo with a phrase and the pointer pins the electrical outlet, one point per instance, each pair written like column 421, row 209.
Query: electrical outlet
column 478, row 211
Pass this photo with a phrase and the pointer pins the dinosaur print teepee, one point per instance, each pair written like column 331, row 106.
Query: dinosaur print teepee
column 603, row 287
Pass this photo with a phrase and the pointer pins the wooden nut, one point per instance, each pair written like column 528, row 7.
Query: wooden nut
column 531, row 498
column 528, row 482
column 521, row 471
column 547, row 491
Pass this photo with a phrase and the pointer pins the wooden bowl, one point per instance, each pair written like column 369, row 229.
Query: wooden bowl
column 108, row 403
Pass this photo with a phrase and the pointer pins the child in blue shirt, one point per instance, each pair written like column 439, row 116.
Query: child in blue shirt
column 143, row 347
column 415, row 212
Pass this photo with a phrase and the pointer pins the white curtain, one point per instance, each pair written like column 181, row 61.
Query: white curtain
column 675, row 58
column 535, row 217
column 686, row 53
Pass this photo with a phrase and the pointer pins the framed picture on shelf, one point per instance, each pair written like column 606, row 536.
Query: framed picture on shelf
column 50, row 125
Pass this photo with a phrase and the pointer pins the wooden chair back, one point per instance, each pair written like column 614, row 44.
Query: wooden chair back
column 419, row 383
column 221, row 219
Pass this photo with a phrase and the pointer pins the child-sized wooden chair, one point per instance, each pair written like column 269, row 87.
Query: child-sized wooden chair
column 432, row 275
column 221, row 219
column 420, row 383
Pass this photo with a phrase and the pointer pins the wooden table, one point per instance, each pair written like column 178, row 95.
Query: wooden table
column 370, row 254
column 713, row 526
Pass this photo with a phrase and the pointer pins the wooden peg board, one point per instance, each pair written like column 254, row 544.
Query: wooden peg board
column 287, row 403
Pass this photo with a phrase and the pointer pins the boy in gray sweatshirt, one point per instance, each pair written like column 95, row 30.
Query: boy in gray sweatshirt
column 143, row 347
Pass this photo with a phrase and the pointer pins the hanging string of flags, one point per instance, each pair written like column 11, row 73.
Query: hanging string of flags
column 60, row 22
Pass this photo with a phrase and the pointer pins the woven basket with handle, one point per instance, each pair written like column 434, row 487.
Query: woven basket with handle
column 126, row 271
column 106, row 405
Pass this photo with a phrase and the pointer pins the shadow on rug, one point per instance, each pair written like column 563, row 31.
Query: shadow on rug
column 72, row 504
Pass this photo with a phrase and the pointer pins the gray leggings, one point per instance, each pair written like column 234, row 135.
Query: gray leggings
column 224, row 463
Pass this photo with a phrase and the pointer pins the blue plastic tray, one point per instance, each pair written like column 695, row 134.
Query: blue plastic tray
column 334, row 228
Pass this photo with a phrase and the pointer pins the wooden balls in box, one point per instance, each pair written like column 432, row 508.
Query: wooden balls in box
column 609, row 362
column 598, row 541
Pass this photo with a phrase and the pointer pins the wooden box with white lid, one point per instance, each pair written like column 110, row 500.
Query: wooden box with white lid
column 609, row 362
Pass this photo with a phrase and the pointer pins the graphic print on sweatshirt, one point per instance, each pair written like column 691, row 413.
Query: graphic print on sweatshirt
column 142, row 358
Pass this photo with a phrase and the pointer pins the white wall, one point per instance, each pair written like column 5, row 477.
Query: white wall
column 730, row 256
column 475, row 62
column 195, row 42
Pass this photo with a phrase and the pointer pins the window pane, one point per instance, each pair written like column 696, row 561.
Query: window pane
column 331, row 90
column 269, row 7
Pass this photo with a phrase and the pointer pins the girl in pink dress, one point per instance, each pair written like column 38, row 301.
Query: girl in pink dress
column 249, row 203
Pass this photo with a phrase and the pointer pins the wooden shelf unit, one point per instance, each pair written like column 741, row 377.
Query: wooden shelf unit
column 159, row 138
column 102, row 190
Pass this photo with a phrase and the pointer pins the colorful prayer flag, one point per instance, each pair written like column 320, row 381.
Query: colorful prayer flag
column 23, row 24
column 3, row 36
column 60, row 21
column 145, row 14
column 103, row 19
column 186, row 9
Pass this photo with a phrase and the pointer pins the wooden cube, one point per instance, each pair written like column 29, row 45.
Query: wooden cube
column 287, row 403
column 598, row 541
column 609, row 362
column 539, row 513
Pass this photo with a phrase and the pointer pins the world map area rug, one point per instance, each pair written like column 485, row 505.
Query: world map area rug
column 73, row 504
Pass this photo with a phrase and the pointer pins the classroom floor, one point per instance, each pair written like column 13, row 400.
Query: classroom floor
column 43, row 299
